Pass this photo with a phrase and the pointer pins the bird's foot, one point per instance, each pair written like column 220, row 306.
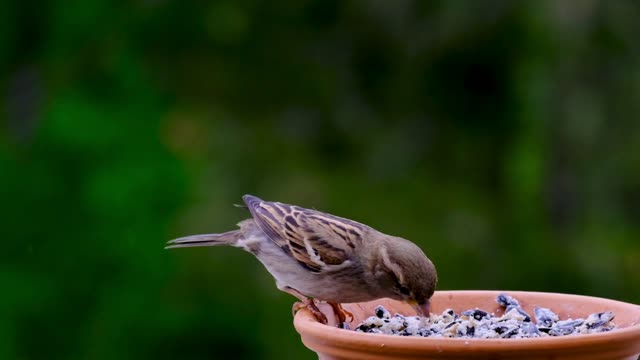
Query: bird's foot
column 310, row 305
column 341, row 314
column 296, row 307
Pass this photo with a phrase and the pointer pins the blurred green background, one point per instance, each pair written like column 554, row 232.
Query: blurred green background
column 502, row 137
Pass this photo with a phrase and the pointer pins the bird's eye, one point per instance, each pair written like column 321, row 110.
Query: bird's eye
column 403, row 290
column 398, row 286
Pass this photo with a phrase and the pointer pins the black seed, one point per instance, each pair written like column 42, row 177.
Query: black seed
column 381, row 312
column 565, row 327
column 527, row 318
column 570, row 323
column 479, row 314
column 545, row 317
column 505, row 300
column 500, row 329
column 471, row 331
column 598, row 319
column 509, row 333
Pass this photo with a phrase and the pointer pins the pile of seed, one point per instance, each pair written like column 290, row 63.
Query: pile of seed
column 476, row 323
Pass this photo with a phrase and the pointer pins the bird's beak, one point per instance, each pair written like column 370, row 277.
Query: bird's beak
column 422, row 309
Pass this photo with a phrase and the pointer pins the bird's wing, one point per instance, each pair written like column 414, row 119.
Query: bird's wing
column 318, row 241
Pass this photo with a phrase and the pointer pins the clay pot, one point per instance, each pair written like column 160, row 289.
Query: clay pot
column 330, row 342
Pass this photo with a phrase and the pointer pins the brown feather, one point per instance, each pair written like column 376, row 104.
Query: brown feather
column 315, row 239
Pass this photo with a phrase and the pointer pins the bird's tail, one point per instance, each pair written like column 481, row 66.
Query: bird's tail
column 228, row 238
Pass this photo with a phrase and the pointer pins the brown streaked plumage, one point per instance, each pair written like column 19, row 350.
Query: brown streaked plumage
column 315, row 255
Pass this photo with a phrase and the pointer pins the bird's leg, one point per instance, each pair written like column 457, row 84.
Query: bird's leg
column 306, row 302
column 340, row 312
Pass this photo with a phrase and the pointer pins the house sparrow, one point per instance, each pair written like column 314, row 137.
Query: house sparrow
column 314, row 255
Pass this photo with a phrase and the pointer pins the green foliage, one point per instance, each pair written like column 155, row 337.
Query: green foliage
column 501, row 137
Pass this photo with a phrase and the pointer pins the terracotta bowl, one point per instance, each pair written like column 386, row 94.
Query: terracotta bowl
column 330, row 342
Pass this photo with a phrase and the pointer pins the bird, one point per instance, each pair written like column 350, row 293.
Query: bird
column 318, row 256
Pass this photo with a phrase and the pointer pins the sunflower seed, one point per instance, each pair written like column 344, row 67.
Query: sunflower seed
column 477, row 323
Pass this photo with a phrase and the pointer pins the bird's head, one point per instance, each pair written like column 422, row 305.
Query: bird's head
column 407, row 273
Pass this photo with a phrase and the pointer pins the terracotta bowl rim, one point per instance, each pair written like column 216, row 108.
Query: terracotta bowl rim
column 306, row 324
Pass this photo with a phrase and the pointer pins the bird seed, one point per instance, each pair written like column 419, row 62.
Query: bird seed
column 476, row 323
